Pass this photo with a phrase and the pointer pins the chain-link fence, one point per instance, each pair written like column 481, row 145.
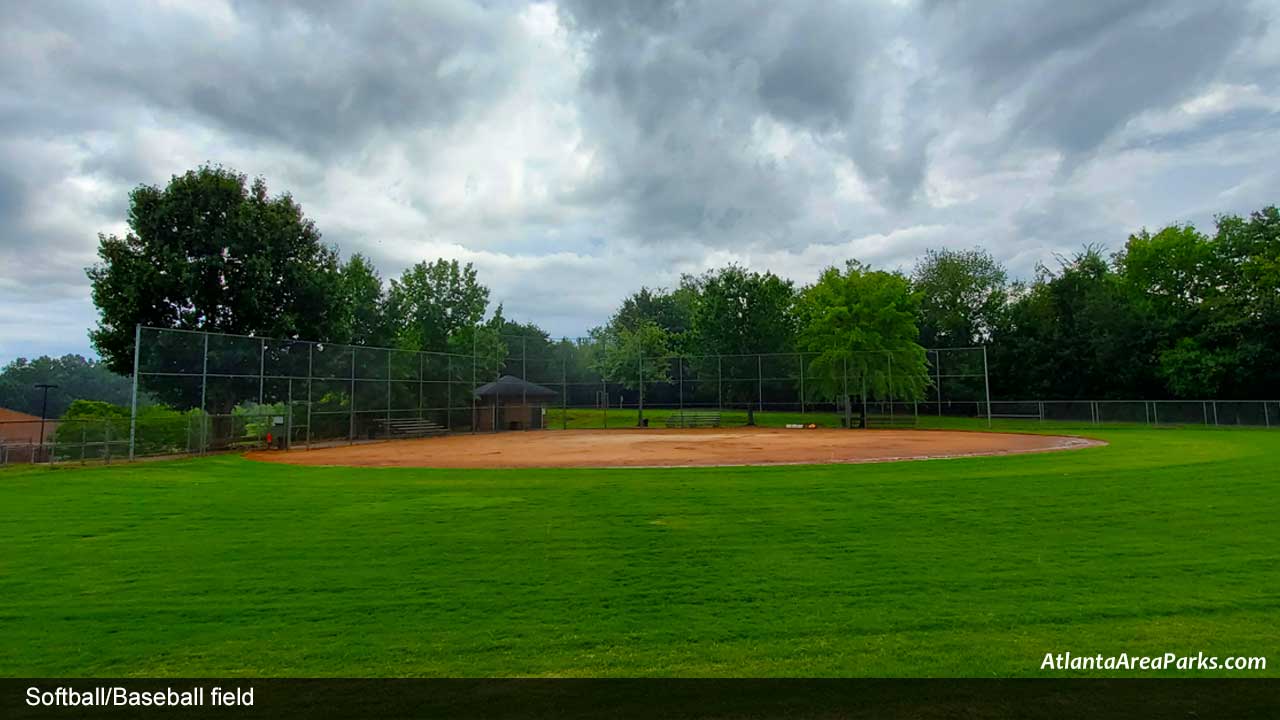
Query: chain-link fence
column 215, row 392
column 201, row 392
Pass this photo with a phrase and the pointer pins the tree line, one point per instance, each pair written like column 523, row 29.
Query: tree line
column 1177, row 313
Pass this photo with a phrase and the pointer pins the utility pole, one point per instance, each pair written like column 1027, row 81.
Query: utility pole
column 44, row 408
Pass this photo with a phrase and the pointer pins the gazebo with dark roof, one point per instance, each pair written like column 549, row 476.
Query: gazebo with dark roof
column 510, row 403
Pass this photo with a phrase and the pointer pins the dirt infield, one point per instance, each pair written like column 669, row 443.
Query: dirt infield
column 674, row 448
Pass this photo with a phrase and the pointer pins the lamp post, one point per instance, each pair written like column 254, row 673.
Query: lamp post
column 44, row 408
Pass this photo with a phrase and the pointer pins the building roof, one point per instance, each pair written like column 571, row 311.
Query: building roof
column 510, row 386
column 17, row 428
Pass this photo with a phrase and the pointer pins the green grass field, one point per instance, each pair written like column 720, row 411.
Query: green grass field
column 1164, row 541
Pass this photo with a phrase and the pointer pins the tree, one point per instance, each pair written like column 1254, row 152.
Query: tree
column 432, row 302
column 76, row 378
column 670, row 311
column 209, row 252
column 863, row 320
column 629, row 356
column 962, row 294
column 738, row 312
column 363, row 319
column 1074, row 333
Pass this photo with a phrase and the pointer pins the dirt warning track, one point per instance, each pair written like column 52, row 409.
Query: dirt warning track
column 674, row 448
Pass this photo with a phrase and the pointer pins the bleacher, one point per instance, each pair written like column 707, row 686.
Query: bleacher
column 694, row 419
column 410, row 427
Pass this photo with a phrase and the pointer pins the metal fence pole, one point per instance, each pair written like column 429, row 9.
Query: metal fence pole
column 524, row 375
column 474, row 417
column 848, row 417
column 310, row 348
column 262, row 371
column 448, row 390
column 680, row 387
column 1146, row 410
column 986, row 381
column 1040, row 408
column 801, row 356
column 1215, row 413
column 133, row 402
column 937, row 370
column 640, row 380
column 719, row 384
column 564, row 392
column 759, row 383
column 288, row 418
column 106, row 440
column 351, row 426
column 204, row 382
column 387, row 429
column 1266, row 414
column 890, row 357
column 1155, row 413
column 1204, row 408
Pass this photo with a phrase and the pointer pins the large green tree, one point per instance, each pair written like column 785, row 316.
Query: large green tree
column 362, row 319
column 962, row 295
column 211, row 251
column 742, row 312
column 433, row 301
column 861, row 323
column 1074, row 333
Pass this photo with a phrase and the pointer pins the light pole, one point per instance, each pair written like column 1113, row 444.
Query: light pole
column 44, row 408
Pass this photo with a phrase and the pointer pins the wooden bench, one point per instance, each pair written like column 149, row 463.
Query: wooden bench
column 411, row 427
column 694, row 419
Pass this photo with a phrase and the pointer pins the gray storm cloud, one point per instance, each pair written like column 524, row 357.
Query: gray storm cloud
column 576, row 151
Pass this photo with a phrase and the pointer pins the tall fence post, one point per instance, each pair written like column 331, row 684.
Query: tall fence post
column 719, row 384
column 310, row 348
column 1155, row 413
column 474, row 417
column 133, row 402
column 564, row 392
column 937, row 372
column 204, row 412
column 640, row 384
column 1215, row 413
column 848, row 416
column 890, row 358
column 986, row 382
column 351, row 425
column 387, row 429
column 1204, row 409
column 801, row 357
column 759, row 383
column 680, row 387
column 1266, row 414
column 262, row 371
column 1146, row 410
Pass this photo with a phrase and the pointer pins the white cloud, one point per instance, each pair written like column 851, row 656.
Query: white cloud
column 577, row 151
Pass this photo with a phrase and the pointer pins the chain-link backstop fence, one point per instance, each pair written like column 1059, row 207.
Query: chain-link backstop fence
column 199, row 392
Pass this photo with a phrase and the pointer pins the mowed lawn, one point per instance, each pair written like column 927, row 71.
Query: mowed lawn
column 1165, row 541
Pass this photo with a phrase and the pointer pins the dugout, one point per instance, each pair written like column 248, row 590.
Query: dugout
column 510, row 403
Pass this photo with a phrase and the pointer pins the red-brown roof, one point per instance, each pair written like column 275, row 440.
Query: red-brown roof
column 18, row 428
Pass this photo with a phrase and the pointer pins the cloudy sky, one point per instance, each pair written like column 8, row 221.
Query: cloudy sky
column 575, row 151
